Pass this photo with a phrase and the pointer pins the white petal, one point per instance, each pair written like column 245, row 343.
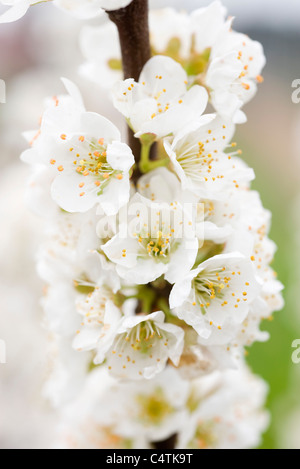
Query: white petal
column 181, row 291
column 119, row 156
column 15, row 12
column 74, row 92
column 66, row 193
column 173, row 78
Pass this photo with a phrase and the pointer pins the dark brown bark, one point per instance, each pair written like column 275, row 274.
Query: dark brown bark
column 133, row 27
column 166, row 444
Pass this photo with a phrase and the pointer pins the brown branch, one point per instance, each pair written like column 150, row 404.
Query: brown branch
column 133, row 28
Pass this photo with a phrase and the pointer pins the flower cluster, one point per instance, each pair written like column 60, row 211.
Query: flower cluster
column 228, row 64
column 158, row 273
column 221, row 411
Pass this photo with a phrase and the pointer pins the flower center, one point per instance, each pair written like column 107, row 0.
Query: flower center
column 196, row 161
column 90, row 159
column 154, row 408
column 143, row 337
column 209, row 285
column 158, row 247
column 204, row 437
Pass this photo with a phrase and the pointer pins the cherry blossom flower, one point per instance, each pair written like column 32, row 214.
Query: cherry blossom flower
column 227, row 63
column 234, row 72
column 198, row 159
column 220, row 289
column 101, row 319
column 143, row 345
column 101, row 61
column 134, row 414
column 90, row 163
column 160, row 103
column 226, row 412
column 159, row 240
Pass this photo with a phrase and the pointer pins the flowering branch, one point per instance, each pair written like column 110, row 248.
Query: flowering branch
column 133, row 27
column 154, row 291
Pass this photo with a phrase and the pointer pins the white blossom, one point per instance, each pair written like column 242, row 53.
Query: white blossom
column 219, row 290
column 103, row 64
column 159, row 239
column 67, row 373
column 160, row 103
column 89, row 162
column 227, row 63
column 197, row 155
column 125, row 415
column 143, row 345
column 233, row 74
column 101, row 320
column 226, row 412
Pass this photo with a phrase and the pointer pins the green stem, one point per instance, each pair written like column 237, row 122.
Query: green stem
column 146, row 164
column 163, row 305
column 145, row 157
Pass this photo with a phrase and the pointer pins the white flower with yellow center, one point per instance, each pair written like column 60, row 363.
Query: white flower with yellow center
column 221, row 289
column 124, row 415
column 90, row 164
column 236, row 63
column 101, row 319
column 183, row 37
column 67, row 264
column 160, row 103
column 198, row 159
column 91, row 420
column 219, row 216
column 201, row 360
column 215, row 219
column 227, row 63
column 159, row 239
column 143, row 345
column 226, row 411
column 155, row 409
